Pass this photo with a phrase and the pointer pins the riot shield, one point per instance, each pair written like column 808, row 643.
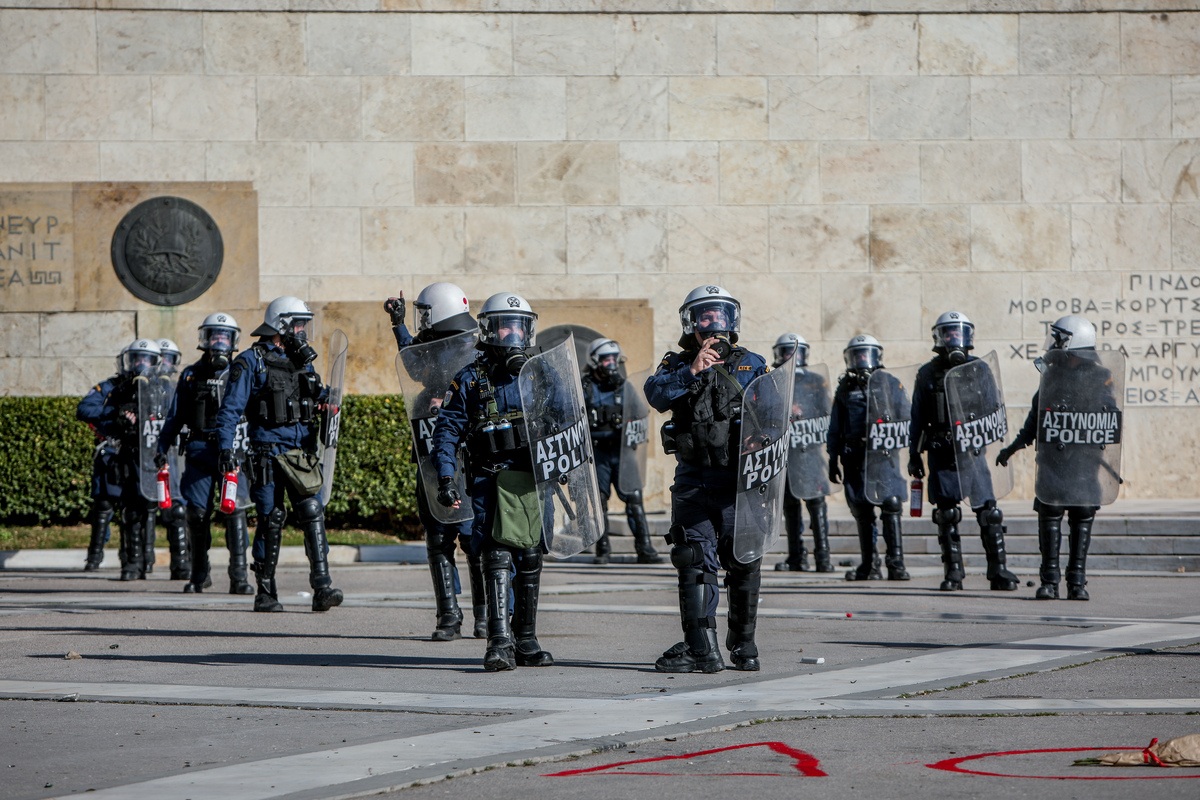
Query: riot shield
column 335, row 381
column 241, row 448
column 425, row 372
column 151, row 413
column 978, row 418
column 635, row 435
column 560, row 443
column 1080, row 416
column 808, row 461
column 889, row 423
column 170, row 381
column 762, row 464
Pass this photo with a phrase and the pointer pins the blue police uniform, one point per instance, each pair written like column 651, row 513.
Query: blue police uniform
column 703, row 503
column 106, row 484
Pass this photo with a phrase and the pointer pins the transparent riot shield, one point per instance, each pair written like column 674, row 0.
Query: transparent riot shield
column 170, row 381
column 762, row 464
column 241, row 449
column 635, row 435
column 560, row 443
column 808, row 461
column 889, row 424
column 335, row 382
column 1080, row 416
column 151, row 413
column 425, row 372
column 978, row 419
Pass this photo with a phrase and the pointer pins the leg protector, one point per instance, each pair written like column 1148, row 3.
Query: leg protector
column 526, row 586
column 793, row 523
column 699, row 651
column 181, row 562
column 497, row 579
column 947, row 520
column 868, row 570
column 199, row 530
column 478, row 596
column 149, row 537
column 271, row 531
column 889, row 522
column 237, row 538
column 449, row 615
column 635, row 515
column 102, row 514
column 603, row 550
column 1049, row 542
column 1080, row 540
column 133, row 521
column 992, row 533
column 741, row 591
column 311, row 517
column 818, row 522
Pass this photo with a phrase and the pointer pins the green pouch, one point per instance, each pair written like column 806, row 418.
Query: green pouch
column 302, row 470
column 518, row 520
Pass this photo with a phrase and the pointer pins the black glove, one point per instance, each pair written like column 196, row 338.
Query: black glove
column 835, row 474
column 394, row 306
column 447, row 492
column 1004, row 455
column 226, row 462
column 160, row 460
column 915, row 467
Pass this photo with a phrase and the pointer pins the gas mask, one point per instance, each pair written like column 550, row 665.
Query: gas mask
column 298, row 349
column 722, row 346
column 218, row 359
column 514, row 359
column 956, row 356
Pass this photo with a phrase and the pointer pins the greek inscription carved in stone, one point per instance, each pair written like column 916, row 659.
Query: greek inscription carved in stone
column 167, row 251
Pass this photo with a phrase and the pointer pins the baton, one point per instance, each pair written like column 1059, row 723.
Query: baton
column 562, row 498
column 1112, row 471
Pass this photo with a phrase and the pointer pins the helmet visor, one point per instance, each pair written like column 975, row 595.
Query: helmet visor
column 865, row 357
column 140, row 362
column 424, row 316
column 297, row 327
column 715, row 316
column 218, row 338
column 1057, row 338
column 783, row 352
column 170, row 359
column 510, row 330
column 955, row 334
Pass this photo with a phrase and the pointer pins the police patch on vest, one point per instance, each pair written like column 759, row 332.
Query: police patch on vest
column 1079, row 427
column 888, row 435
column 806, row 433
column 976, row 433
column 637, row 432
column 559, row 453
column 758, row 467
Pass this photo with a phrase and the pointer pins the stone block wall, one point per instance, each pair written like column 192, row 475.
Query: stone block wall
column 840, row 172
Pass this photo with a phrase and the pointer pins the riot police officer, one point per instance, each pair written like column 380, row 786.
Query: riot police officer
column 484, row 413
column 848, row 442
column 194, row 408
column 442, row 311
column 953, row 339
column 173, row 518
column 1067, row 471
column 106, row 477
column 812, row 385
column 112, row 409
column 274, row 386
column 603, row 392
column 703, row 386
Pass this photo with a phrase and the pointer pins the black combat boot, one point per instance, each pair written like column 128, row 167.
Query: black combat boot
column 271, row 533
column 526, row 585
column 889, row 523
column 868, row 570
column 478, row 597
column 1080, row 540
column 133, row 521
column 699, row 651
column 149, row 538
column 449, row 615
column 177, row 542
column 102, row 514
column 312, row 521
column 603, row 550
column 199, row 531
column 635, row 515
column 793, row 525
column 497, row 580
column 992, row 533
column 237, row 539
column 947, row 520
column 818, row 521
column 1049, row 542
column 741, row 591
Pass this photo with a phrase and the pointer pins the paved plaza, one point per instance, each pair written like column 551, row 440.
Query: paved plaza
column 920, row 693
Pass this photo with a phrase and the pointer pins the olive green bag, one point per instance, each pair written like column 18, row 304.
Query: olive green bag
column 518, row 520
column 302, row 470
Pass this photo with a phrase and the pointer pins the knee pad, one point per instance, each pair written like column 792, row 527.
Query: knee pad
column 276, row 517
column 104, row 510
column 947, row 516
column 814, row 505
column 196, row 517
column 309, row 510
column 688, row 555
column 175, row 513
column 990, row 514
column 1080, row 514
column 633, row 498
column 741, row 576
column 892, row 505
column 497, row 561
column 529, row 561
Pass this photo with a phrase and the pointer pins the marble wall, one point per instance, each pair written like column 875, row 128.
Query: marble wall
column 839, row 172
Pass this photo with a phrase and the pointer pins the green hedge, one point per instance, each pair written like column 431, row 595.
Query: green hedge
column 46, row 463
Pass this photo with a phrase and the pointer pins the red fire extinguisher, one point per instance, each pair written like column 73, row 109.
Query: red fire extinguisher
column 164, row 488
column 914, row 501
column 229, row 491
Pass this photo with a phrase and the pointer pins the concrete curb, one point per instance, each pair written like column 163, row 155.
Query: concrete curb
column 71, row 559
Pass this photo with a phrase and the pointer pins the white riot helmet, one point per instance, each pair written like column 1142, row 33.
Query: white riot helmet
column 141, row 357
column 1071, row 332
column 170, row 354
column 508, row 325
column 789, row 345
column 218, row 337
column 710, row 310
column 442, row 307
column 864, row 354
column 289, row 317
column 953, row 330
column 605, row 358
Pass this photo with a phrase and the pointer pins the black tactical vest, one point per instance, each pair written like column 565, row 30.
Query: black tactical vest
column 282, row 400
column 708, row 416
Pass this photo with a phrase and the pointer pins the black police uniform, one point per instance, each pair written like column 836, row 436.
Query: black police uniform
column 106, row 477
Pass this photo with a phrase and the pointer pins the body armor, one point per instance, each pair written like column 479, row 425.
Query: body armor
column 708, row 417
column 288, row 395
